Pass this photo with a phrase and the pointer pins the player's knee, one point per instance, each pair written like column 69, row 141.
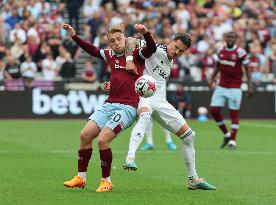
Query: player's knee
column 84, row 137
column 145, row 116
column 102, row 142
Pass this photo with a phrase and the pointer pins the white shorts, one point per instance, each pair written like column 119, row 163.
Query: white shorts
column 164, row 113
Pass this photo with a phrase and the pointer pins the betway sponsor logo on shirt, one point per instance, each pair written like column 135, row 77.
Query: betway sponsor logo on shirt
column 76, row 102
column 226, row 62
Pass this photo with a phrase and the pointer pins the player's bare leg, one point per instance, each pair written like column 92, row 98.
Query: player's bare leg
column 187, row 135
column 89, row 132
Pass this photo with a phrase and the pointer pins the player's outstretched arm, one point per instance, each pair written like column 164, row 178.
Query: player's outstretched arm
column 249, row 81
column 211, row 82
column 150, row 47
column 88, row 47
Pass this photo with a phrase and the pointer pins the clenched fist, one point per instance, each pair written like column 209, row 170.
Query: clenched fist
column 140, row 28
column 71, row 32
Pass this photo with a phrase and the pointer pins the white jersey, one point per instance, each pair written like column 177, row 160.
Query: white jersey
column 159, row 67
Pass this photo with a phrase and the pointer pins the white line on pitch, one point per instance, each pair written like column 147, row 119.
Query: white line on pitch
column 139, row 152
column 250, row 124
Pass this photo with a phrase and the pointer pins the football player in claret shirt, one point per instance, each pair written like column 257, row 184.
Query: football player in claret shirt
column 120, row 109
column 231, row 58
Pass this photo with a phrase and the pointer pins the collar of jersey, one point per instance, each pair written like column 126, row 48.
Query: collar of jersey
column 230, row 49
column 118, row 54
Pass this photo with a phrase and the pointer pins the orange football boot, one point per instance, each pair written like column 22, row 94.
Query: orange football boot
column 105, row 186
column 77, row 181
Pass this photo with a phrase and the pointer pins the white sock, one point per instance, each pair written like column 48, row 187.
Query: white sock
column 149, row 134
column 137, row 134
column 167, row 135
column 188, row 152
column 107, row 179
column 228, row 134
column 82, row 175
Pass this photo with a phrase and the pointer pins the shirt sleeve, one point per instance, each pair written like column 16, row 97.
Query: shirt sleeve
column 150, row 47
column 103, row 54
column 242, row 54
column 88, row 47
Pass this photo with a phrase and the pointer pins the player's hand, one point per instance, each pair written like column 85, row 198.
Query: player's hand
column 140, row 28
column 182, row 105
column 131, row 67
column 211, row 84
column 71, row 32
column 106, row 85
column 249, row 92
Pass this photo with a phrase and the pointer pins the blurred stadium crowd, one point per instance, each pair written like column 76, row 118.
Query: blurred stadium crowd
column 32, row 46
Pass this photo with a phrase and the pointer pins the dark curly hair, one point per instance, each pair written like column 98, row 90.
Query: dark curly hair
column 185, row 38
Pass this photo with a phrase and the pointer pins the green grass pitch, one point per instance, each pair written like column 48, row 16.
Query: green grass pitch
column 36, row 156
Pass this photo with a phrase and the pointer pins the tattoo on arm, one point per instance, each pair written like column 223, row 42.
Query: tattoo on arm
column 131, row 43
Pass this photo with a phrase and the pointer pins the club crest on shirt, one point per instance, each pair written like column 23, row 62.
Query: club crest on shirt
column 118, row 66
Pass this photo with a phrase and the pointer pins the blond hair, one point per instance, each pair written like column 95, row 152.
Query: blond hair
column 116, row 28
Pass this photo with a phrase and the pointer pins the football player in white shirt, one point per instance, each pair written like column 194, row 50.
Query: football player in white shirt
column 159, row 66
column 149, row 145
